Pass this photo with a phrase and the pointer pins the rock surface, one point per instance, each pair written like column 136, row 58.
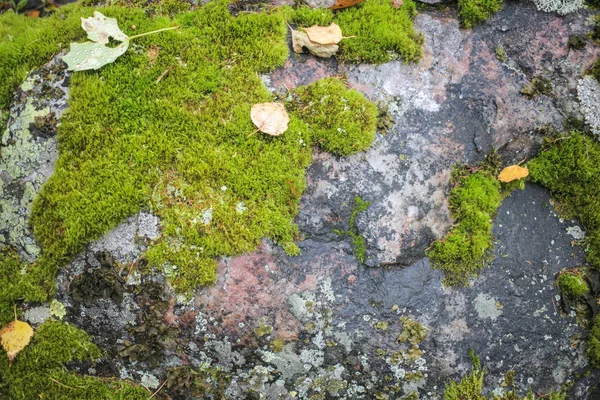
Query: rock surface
column 337, row 321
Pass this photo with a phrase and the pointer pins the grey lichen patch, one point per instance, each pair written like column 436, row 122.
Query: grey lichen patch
column 588, row 93
column 487, row 307
column 37, row 315
column 28, row 152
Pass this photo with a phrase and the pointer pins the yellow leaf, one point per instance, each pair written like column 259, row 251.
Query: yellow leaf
column 331, row 34
column 344, row 3
column 512, row 173
column 270, row 118
column 15, row 337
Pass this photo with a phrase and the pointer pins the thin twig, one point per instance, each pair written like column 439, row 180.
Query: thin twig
column 163, row 75
column 61, row 384
column 156, row 31
column 157, row 390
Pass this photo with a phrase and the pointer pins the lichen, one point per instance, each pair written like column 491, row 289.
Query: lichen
column 538, row 85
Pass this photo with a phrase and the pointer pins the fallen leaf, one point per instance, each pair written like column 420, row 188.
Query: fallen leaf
column 15, row 337
column 331, row 34
column 344, row 4
column 100, row 28
column 300, row 40
column 270, row 118
column 396, row 3
column 89, row 55
column 512, row 173
column 33, row 13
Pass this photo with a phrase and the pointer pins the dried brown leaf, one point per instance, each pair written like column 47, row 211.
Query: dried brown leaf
column 270, row 118
column 300, row 40
column 331, row 34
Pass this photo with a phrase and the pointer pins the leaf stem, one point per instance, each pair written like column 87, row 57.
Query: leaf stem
column 151, row 32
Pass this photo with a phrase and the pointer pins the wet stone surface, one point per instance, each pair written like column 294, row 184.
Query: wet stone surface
column 322, row 325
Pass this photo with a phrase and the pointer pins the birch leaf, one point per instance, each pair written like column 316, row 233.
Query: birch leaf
column 512, row 173
column 270, row 118
column 89, row 55
column 15, row 337
column 100, row 29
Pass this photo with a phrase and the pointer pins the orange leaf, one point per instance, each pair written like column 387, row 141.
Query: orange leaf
column 512, row 173
column 15, row 337
column 344, row 3
column 33, row 13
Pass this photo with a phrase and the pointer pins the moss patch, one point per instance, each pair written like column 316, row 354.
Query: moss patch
column 358, row 242
column 569, row 166
column 594, row 343
column 473, row 203
column 471, row 386
column 39, row 372
column 573, row 285
column 341, row 120
column 181, row 147
column 383, row 33
column 473, row 12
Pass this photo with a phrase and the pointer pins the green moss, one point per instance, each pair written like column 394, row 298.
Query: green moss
column 26, row 43
column 573, row 285
column 473, row 12
column 537, row 86
column 593, row 348
column 473, row 203
column 576, row 42
column 501, row 54
column 306, row 17
column 358, row 242
column 181, row 148
column 38, row 371
column 341, row 120
column 470, row 386
column 569, row 166
column 383, row 33
column 202, row 382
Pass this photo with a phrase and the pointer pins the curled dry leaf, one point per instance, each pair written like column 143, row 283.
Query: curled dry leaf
column 331, row 34
column 270, row 118
column 396, row 3
column 512, row 173
column 15, row 337
column 300, row 40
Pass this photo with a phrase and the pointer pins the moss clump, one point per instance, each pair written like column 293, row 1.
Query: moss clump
column 576, row 42
column 569, row 166
column 537, row 86
column 341, row 120
column 501, row 54
column 26, row 43
column 473, row 203
column 573, row 285
column 470, row 386
column 181, row 147
column 17, row 283
column 38, row 371
column 383, row 33
column 473, row 12
column 593, row 348
column 358, row 242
